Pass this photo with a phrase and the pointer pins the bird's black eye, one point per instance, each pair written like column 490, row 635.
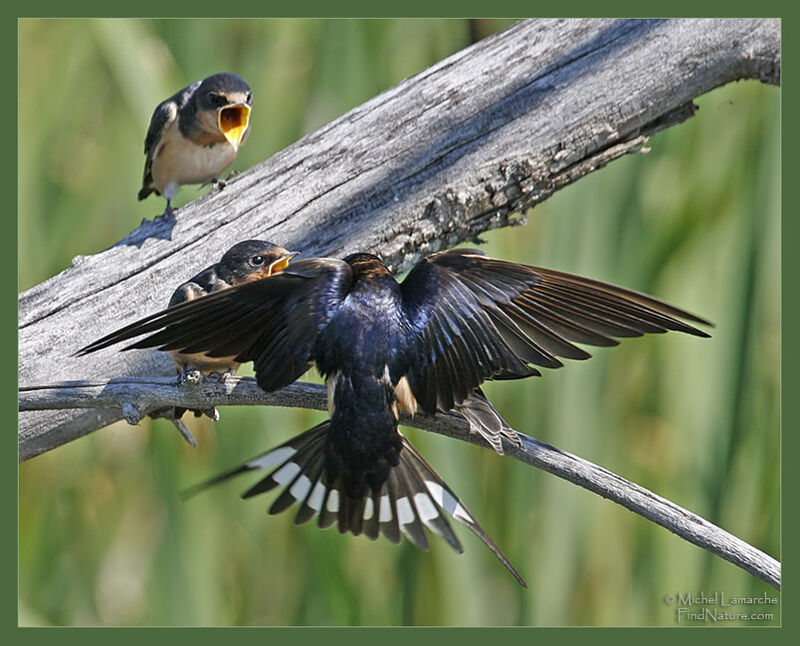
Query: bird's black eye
column 216, row 99
column 249, row 98
column 257, row 261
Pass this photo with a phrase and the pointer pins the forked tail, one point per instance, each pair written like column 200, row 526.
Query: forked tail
column 412, row 498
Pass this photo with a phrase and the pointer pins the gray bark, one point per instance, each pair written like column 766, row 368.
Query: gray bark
column 458, row 149
column 135, row 397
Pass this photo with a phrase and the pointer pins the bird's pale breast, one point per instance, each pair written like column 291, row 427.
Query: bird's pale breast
column 180, row 161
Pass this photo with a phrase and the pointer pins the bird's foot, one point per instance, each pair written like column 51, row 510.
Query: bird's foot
column 221, row 376
column 217, row 184
column 189, row 376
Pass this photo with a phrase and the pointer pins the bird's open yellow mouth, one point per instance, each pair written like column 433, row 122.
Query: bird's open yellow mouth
column 282, row 263
column 233, row 121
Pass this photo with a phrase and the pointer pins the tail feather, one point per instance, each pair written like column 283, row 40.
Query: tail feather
column 444, row 499
column 435, row 521
column 287, row 458
column 351, row 515
column 372, row 528
column 330, row 507
column 407, row 511
column 312, row 501
column 389, row 522
column 414, row 496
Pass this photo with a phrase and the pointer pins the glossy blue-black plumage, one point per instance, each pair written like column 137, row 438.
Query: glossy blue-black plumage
column 363, row 351
column 457, row 319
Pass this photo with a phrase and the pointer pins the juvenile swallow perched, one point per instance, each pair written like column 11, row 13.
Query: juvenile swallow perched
column 457, row 319
column 195, row 134
column 245, row 261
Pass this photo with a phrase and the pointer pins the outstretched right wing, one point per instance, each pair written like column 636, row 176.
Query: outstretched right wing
column 273, row 323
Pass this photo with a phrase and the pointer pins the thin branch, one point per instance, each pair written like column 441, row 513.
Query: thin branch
column 135, row 397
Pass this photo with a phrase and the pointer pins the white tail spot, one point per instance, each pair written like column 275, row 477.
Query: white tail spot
column 333, row 501
column 273, row 458
column 368, row 509
column 404, row 512
column 385, row 514
column 427, row 510
column 286, row 473
column 448, row 502
column 300, row 487
column 316, row 497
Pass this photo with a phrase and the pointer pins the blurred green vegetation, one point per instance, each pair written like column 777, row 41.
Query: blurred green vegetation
column 104, row 537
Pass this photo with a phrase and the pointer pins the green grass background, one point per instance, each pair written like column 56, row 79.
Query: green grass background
column 104, row 538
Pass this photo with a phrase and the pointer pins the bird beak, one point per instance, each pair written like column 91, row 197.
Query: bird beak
column 281, row 263
column 233, row 121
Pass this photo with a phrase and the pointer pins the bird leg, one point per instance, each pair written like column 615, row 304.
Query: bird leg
column 185, row 432
column 173, row 414
column 168, row 210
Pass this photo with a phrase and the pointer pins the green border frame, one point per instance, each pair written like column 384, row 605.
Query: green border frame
column 790, row 265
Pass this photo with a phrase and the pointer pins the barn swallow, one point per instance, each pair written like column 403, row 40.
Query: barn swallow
column 245, row 261
column 195, row 134
column 457, row 319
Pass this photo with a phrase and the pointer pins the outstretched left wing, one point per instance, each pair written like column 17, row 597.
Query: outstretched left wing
column 477, row 318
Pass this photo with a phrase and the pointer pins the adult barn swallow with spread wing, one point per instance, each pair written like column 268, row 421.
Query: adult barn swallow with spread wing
column 457, row 319
column 245, row 261
column 195, row 135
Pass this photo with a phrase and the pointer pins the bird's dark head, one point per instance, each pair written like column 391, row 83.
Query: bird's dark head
column 365, row 265
column 251, row 260
column 225, row 100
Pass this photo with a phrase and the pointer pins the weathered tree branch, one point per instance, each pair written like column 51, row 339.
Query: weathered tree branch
column 139, row 396
column 456, row 150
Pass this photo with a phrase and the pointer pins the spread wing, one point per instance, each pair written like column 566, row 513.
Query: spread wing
column 273, row 322
column 165, row 113
column 477, row 318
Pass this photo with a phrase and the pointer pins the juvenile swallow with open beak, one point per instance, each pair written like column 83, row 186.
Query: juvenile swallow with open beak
column 457, row 319
column 245, row 261
column 195, row 135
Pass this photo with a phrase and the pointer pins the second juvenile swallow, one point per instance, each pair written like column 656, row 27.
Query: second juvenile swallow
column 457, row 319
column 195, row 135
column 245, row 261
